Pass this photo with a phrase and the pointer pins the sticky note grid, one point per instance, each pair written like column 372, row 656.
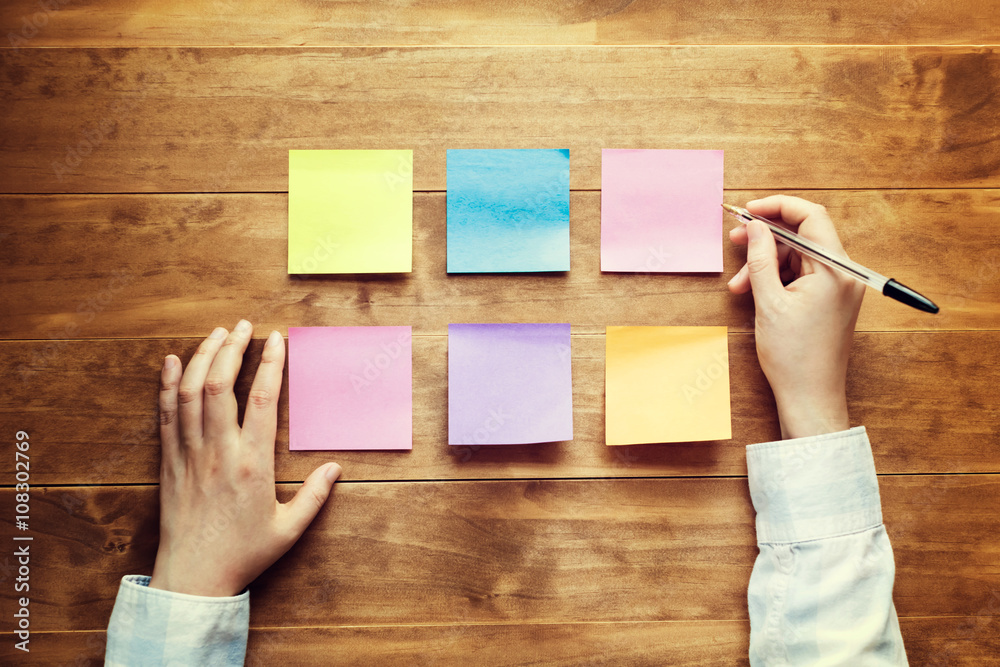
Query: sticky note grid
column 351, row 211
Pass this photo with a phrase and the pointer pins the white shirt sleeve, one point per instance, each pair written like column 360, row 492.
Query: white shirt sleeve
column 821, row 588
column 150, row 626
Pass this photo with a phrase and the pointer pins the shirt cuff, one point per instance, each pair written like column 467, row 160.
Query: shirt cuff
column 150, row 626
column 814, row 488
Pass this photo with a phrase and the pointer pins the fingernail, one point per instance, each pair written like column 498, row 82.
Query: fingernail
column 753, row 230
column 169, row 362
column 332, row 472
column 733, row 279
column 752, row 201
column 219, row 332
column 273, row 339
column 243, row 326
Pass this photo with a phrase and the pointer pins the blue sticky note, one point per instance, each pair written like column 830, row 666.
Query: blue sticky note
column 508, row 210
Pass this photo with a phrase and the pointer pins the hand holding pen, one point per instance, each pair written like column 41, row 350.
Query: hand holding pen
column 805, row 315
column 839, row 261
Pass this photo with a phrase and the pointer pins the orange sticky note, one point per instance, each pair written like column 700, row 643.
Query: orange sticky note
column 667, row 384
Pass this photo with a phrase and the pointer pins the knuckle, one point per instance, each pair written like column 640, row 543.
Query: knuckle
column 215, row 386
column 187, row 394
column 167, row 416
column 246, row 472
column 757, row 264
column 260, row 398
column 232, row 339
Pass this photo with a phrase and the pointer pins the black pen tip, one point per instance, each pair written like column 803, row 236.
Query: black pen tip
column 910, row 297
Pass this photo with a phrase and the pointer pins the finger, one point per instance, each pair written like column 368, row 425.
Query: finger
column 221, row 411
column 299, row 512
column 762, row 263
column 784, row 252
column 190, row 394
column 740, row 282
column 170, row 434
column 795, row 263
column 738, row 235
column 260, row 424
column 812, row 220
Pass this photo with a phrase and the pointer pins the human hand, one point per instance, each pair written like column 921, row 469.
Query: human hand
column 221, row 524
column 805, row 315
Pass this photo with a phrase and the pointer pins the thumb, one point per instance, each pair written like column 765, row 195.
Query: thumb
column 310, row 498
column 762, row 261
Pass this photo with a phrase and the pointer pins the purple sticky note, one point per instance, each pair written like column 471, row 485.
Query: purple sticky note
column 350, row 388
column 661, row 211
column 509, row 384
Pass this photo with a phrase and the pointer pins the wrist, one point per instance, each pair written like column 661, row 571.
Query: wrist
column 192, row 584
column 802, row 417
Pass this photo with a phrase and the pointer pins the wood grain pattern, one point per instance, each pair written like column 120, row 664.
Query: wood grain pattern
column 90, row 407
column 513, row 552
column 287, row 22
column 205, row 120
column 175, row 265
column 955, row 641
column 647, row 566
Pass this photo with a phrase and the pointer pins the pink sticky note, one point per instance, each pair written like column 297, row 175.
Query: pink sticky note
column 661, row 211
column 350, row 388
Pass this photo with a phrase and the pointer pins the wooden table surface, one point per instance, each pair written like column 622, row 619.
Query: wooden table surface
column 143, row 172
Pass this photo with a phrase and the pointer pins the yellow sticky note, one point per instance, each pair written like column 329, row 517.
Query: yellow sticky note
column 667, row 384
column 350, row 211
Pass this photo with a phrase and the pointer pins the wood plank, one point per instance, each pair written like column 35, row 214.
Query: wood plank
column 90, row 407
column 955, row 641
column 512, row 552
column 285, row 22
column 204, row 119
column 175, row 265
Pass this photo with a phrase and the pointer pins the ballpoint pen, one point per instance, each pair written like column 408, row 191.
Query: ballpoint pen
column 887, row 286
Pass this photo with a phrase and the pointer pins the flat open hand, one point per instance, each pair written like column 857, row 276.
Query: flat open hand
column 221, row 524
